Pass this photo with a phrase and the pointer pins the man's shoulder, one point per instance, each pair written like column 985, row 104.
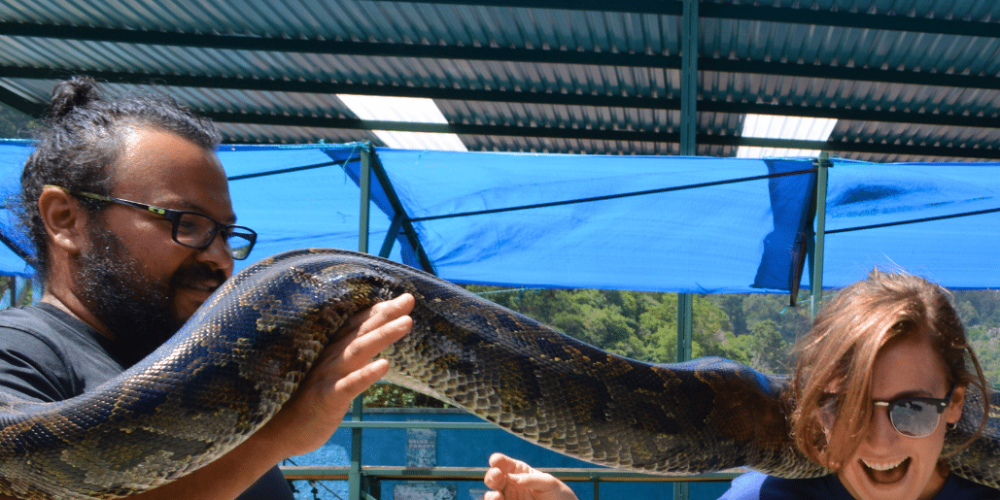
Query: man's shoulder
column 48, row 355
column 28, row 327
column 18, row 316
column 34, row 360
column 46, row 323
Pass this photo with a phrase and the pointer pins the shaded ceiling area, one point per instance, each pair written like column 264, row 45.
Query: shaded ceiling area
column 906, row 80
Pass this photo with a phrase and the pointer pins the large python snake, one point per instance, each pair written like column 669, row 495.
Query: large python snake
column 244, row 352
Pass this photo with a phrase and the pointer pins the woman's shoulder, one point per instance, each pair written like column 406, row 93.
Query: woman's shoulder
column 758, row 486
column 957, row 488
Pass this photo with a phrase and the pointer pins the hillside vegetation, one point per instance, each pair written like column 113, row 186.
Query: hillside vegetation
column 756, row 329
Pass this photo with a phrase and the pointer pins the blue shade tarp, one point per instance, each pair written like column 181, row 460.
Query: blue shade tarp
column 954, row 210
column 620, row 222
column 298, row 196
column 13, row 242
column 634, row 223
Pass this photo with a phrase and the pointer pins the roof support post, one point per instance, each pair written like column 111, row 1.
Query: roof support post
column 25, row 286
column 357, row 407
column 688, row 147
column 689, row 78
column 11, row 291
column 400, row 217
column 816, row 255
column 390, row 237
column 365, row 184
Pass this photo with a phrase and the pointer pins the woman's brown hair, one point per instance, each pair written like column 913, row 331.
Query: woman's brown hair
column 834, row 361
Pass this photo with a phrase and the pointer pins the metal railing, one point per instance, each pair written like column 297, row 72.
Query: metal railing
column 368, row 478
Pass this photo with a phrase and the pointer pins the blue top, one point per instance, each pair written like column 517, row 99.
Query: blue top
column 757, row 486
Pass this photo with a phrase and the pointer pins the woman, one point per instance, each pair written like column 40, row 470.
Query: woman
column 890, row 350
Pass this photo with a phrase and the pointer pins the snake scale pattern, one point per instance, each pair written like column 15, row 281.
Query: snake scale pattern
column 242, row 355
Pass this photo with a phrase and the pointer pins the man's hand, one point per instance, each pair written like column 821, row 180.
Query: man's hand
column 515, row 480
column 344, row 370
column 307, row 421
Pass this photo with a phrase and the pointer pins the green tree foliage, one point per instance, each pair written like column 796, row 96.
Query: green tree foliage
column 392, row 396
column 980, row 312
column 14, row 124
column 7, row 291
column 644, row 325
column 756, row 329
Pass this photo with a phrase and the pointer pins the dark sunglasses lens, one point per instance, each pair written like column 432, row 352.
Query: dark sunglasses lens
column 914, row 418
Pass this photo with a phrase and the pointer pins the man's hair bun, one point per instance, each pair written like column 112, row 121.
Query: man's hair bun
column 72, row 94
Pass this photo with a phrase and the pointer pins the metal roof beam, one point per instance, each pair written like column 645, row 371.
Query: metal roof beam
column 763, row 13
column 859, row 74
column 847, row 19
column 19, row 103
column 506, row 54
column 296, row 45
column 666, row 8
column 542, row 98
column 315, row 87
column 864, row 115
column 599, row 134
column 594, row 100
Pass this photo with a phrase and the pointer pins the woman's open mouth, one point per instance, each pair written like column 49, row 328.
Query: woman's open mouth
column 886, row 472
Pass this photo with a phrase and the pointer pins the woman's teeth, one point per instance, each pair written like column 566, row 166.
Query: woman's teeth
column 882, row 466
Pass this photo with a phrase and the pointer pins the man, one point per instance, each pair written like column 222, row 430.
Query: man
column 121, row 278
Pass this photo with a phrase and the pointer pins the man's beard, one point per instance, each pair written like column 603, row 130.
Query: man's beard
column 136, row 309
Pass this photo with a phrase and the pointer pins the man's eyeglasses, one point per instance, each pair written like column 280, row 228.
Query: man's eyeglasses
column 191, row 229
column 916, row 417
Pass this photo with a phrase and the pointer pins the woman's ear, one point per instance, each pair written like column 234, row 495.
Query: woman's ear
column 64, row 218
column 953, row 413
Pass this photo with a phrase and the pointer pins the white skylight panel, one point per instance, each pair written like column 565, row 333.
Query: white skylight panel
column 404, row 109
column 420, row 140
column 758, row 152
column 784, row 127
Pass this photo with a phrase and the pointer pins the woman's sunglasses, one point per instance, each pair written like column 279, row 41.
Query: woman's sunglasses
column 916, row 417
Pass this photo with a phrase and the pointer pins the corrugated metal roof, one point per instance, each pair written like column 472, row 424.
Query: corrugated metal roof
column 908, row 80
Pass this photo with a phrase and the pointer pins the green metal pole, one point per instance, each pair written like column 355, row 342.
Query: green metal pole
column 688, row 147
column 685, row 317
column 357, row 408
column 816, row 291
column 390, row 237
column 366, row 182
column 689, row 78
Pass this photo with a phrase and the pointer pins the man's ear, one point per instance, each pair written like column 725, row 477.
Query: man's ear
column 65, row 219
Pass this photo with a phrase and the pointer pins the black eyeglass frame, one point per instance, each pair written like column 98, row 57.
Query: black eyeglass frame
column 174, row 216
column 937, row 404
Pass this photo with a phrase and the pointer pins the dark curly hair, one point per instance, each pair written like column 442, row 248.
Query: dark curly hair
column 83, row 138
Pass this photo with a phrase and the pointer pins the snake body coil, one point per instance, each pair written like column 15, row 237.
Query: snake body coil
column 242, row 355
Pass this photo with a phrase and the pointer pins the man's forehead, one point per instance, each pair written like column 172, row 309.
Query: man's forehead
column 164, row 168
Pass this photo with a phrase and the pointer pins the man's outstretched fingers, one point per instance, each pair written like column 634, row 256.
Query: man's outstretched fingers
column 357, row 381
column 380, row 313
column 365, row 346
